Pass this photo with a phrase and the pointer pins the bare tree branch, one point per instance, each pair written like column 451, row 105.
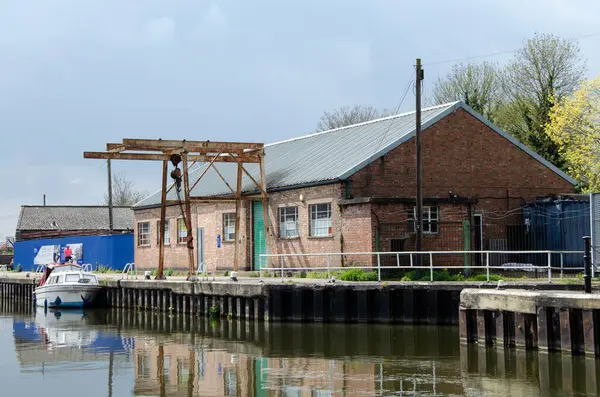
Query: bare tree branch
column 478, row 85
column 124, row 192
column 346, row 115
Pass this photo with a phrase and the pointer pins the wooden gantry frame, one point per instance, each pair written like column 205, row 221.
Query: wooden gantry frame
column 206, row 152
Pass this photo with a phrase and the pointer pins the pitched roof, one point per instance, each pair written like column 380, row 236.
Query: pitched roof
column 67, row 217
column 330, row 156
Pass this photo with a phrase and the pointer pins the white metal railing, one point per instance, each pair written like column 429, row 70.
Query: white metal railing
column 547, row 267
column 39, row 268
column 86, row 267
column 128, row 270
column 4, row 270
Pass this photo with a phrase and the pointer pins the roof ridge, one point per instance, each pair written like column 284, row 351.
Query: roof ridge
column 398, row 115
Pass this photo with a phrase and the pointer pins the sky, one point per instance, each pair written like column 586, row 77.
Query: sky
column 75, row 75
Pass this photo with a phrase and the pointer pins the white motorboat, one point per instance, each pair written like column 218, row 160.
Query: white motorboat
column 67, row 286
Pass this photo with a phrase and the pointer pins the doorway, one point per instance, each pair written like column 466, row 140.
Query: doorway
column 259, row 245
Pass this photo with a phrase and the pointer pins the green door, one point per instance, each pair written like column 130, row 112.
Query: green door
column 258, row 234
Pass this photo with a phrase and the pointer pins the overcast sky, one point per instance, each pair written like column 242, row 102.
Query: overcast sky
column 77, row 74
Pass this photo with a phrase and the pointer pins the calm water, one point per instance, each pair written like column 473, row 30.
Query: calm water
column 118, row 353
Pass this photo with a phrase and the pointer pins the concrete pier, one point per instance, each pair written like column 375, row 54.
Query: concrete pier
column 568, row 322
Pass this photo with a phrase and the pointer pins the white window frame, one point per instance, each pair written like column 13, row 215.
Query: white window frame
column 143, row 237
column 167, row 232
column 229, row 226
column 288, row 223
column 181, row 233
column 431, row 219
column 316, row 223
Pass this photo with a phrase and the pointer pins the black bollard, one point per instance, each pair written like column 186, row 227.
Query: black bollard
column 587, row 263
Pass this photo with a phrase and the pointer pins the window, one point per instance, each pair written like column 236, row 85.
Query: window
column 167, row 233
column 396, row 245
column 431, row 220
column 181, row 231
column 143, row 234
column 288, row 222
column 228, row 227
column 143, row 365
column 72, row 278
column 320, row 220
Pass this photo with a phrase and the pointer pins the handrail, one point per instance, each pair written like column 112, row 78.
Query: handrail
column 548, row 266
column 128, row 269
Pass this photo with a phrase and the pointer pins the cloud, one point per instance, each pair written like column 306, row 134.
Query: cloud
column 160, row 29
column 213, row 23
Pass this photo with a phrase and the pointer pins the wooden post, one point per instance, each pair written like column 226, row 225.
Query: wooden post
column 163, row 216
column 238, row 199
column 188, row 216
column 265, row 204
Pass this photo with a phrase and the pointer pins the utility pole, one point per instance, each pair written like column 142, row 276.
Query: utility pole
column 110, row 199
column 419, row 195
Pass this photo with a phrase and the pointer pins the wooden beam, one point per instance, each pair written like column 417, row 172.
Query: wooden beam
column 155, row 144
column 115, row 147
column 223, row 179
column 201, row 175
column 162, row 157
column 238, row 196
column 188, row 216
column 265, row 204
column 163, row 216
column 258, row 185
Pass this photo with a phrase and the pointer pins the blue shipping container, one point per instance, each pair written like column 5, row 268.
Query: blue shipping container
column 114, row 251
column 558, row 225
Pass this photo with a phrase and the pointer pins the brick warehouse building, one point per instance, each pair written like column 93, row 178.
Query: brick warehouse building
column 352, row 189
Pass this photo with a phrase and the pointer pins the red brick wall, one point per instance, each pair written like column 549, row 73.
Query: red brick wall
column 210, row 217
column 358, row 233
column 462, row 155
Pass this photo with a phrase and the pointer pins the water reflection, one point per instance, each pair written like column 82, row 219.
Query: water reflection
column 188, row 356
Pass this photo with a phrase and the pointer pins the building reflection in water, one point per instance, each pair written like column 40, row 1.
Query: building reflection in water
column 188, row 356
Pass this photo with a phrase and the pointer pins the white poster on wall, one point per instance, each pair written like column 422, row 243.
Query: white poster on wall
column 46, row 254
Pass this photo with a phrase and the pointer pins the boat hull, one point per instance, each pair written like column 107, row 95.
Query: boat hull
column 67, row 296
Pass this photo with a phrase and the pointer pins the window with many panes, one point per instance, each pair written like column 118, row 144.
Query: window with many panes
column 143, row 238
column 431, row 220
column 229, row 227
column 181, row 231
column 167, row 233
column 320, row 220
column 288, row 222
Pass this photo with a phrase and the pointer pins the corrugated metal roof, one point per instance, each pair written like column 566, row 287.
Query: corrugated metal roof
column 325, row 156
column 70, row 217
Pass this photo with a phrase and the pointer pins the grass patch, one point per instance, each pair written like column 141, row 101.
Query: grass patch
column 358, row 275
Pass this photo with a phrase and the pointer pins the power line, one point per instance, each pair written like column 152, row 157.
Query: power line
column 395, row 112
column 493, row 54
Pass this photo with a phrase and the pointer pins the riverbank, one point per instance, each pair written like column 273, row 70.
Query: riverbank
column 295, row 300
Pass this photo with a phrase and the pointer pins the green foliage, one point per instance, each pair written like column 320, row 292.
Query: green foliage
column 226, row 274
column 302, row 274
column 445, row 275
column 168, row 272
column 314, row 274
column 103, row 269
column 19, row 268
column 358, row 275
column 213, row 312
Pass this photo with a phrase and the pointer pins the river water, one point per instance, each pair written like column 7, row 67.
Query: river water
column 125, row 353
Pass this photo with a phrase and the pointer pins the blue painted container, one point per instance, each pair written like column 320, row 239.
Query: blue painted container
column 558, row 225
column 114, row 251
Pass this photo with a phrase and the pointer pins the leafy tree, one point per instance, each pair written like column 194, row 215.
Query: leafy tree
column 124, row 192
column 347, row 116
column 544, row 71
column 478, row 85
column 574, row 127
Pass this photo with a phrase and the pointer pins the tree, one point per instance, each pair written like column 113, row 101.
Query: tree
column 347, row 116
column 10, row 242
column 478, row 85
column 545, row 70
column 575, row 128
column 124, row 192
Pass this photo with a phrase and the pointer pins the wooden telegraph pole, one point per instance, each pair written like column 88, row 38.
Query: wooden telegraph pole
column 419, row 195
